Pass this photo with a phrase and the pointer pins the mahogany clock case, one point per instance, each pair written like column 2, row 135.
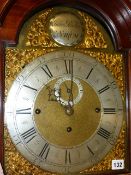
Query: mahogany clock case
column 114, row 15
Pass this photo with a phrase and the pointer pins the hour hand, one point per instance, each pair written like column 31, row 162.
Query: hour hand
column 57, row 93
column 54, row 94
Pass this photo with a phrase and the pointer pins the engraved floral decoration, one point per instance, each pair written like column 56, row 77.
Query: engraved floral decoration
column 38, row 35
column 18, row 58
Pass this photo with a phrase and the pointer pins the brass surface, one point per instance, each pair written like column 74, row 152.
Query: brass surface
column 15, row 164
column 34, row 41
column 36, row 33
column 52, row 122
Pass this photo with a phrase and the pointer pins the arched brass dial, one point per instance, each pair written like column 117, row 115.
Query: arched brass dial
column 64, row 111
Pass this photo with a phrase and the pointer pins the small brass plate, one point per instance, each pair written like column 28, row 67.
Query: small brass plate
column 66, row 28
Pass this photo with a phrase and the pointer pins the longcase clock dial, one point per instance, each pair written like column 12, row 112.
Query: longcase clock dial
column 64, row 111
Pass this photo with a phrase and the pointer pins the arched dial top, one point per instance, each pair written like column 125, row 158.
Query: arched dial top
column 64, row 111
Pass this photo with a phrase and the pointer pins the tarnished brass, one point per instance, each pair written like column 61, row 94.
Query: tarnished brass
column 67, row 28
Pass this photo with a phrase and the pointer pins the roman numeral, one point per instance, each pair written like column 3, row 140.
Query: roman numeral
column 67, row 157
column 69, row 54
column 104, row 89
column 29, row 87
column 69, row 66
column 104, row 133
column 109, row 110
column 113, row 85
column 47, row 71
column 89, row 73
column 29, row 134
column 45, row 151
column 90, row 150
column 23, row 111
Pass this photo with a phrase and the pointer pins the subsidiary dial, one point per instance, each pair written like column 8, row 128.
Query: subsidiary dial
column 66, row 113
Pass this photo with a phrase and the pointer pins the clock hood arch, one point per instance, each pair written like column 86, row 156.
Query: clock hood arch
column 115, row 15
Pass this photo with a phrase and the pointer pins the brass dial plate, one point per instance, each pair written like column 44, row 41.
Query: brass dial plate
column 56, row 126
column 20, row 114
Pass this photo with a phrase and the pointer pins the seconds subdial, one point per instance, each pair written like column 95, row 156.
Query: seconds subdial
column 64, row 84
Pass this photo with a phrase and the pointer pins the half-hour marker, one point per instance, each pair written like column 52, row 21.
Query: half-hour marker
column 104, row 89
column 45, row 151
column 109, row 110
column 69, row 66
column 23, row 111
column 47, row 71
column 89, row 73
column 104, row 133
column 67, row 157
column 30, row 87
column 29, row 134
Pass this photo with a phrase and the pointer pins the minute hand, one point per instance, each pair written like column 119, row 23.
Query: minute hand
column 71, row 85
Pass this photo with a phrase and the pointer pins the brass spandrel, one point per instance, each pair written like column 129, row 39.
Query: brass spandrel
column 18, row 58
column 36, row 32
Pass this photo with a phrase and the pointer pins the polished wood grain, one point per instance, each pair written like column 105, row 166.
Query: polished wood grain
column 2, row 73
column 5, row 5
column 115, row 15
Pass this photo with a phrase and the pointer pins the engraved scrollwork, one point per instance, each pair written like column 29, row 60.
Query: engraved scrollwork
column 18, row 58
column 37, row 33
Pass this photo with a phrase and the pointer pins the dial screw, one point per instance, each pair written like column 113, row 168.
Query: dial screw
column 69, row 129
column 37, row 111
column 97, row 110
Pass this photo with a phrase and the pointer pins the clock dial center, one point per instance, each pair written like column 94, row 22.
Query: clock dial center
column 67, row 125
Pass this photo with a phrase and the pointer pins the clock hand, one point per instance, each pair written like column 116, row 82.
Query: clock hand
column 54, row 95
column 68, row 108
column 68, row 89
column 70, row 101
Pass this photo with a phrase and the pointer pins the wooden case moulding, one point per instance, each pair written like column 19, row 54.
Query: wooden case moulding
column 115, row 16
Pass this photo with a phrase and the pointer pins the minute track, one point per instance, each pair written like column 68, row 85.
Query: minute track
column 65, row 143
